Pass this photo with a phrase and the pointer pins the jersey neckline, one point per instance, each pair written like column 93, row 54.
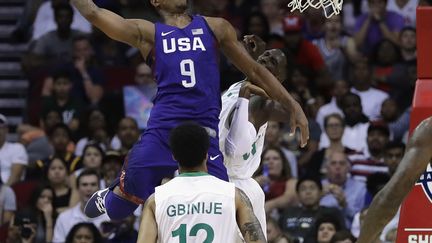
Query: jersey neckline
column 192, row 174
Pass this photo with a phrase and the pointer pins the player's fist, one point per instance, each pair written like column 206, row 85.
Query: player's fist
column 247, row 89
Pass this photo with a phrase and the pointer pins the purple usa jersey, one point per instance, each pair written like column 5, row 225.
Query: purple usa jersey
column 187, row 73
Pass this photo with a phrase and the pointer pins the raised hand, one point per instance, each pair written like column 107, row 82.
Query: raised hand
column 254, row 45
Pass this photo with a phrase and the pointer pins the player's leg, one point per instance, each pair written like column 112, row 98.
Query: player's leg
column 148, row 162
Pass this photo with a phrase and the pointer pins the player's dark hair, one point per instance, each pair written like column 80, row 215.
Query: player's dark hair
column 189, row 144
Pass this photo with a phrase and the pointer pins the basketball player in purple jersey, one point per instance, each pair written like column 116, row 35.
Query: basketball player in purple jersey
column 185, row 55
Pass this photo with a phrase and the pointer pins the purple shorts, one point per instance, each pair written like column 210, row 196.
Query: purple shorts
column 150, row 160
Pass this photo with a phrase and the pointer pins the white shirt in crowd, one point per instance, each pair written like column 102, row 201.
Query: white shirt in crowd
column 408, row 12
column 11, row 153
column 371, row 101
column 71, row 217
column 45, row 22
column 354, row 138
column 327, row 109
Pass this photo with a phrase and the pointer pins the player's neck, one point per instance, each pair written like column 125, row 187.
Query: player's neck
column 198, row 170
column 180, row 20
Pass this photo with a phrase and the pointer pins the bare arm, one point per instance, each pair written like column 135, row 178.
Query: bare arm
column 258, row 74
column 388, row 200
column 130, row 31
column 148, row 229
column 17, row 171
column 246, row 219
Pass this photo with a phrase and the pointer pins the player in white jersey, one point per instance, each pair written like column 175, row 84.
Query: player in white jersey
column 243, row 124
column 195, row 206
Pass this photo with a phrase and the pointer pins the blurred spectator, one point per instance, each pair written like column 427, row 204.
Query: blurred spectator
column 391, row 115
column 256, row 24
column 273, row 138
column 44, row 21
column 63, row 101
column 385, row 56
column 274, row 13
column 408, row 44
column 21, row 33
column 84, row 232
column 299, row 220
column 340, row 190
column 356, row 124
column 96, row 131
column 377, row 25
column 8, row 204
column 111, row 166
column 87, row 78
column 405, row 8
column 87, row 184
column 340, row 88
column 402, row 83
column 274, row 176
column 336, row 48
column 91, row 160
column 334, row 129
column 13, row 156
column 56, row 45
column 57, row 177
column 371, row 161
column 343, row 236
column 375, row 182
column 127, row 134
column 36, row 139
column 326, row 227
column 41, row 203
column 300, row 83
column 60, row 141
column 120, row 231
column 303, row 51
column 23, row 227
column 371, row 98
column 138, row 98
column 274, row 233
column 108, row 52
column 314, row 23
column 394, row 153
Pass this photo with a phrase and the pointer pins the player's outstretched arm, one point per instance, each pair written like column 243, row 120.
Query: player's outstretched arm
column 148, row 228
column 246, row 219
column 385, row 204
column 131, row 31
column 258, row 74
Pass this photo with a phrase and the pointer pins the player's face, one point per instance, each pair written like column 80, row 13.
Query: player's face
column 274, row 60
column 92, row 158
column 325, row 232
column 334, row 129
column 309, row 193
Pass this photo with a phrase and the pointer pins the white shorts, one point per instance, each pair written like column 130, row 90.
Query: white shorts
column 256, row 195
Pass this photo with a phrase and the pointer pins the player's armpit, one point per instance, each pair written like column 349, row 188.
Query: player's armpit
column 148, row 228
column 246, row 219
column 131, row 31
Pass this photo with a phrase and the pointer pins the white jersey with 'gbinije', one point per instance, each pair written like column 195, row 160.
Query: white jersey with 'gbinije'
column 196, row 207
column 242, row 167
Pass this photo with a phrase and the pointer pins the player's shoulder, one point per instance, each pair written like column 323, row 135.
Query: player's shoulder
column 218, row 25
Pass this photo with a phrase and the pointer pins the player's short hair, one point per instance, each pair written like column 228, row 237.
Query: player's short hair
column 189, row 144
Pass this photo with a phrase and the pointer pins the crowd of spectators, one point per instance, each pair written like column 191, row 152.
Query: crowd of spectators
column 90, row 98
